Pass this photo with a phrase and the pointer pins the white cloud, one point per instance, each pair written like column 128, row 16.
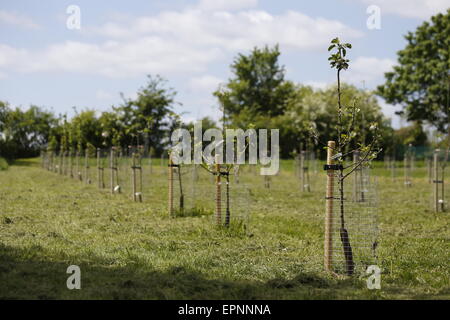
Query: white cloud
column 368, row 69
column 233, row 30
column 422, row 9
column 229, row 5
column 205, row 83
column 110, row 58
column 11, row 18
column 177, row 42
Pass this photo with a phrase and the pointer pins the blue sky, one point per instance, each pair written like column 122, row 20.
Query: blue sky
column 190, row 43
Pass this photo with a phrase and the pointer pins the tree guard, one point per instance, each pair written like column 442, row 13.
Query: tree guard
column 350, row 244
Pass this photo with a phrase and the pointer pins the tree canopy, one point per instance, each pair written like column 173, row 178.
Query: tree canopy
column 317, row 108
column 421, row 80
column 24, row 132
column 147, row 119
column 258, row 86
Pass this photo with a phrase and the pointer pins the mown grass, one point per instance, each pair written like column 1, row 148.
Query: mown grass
column 130, row 250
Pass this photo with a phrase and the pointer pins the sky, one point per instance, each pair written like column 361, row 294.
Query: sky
column 47, row 62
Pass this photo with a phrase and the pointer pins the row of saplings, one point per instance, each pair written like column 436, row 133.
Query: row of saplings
column 70, row 164
column 336, row 215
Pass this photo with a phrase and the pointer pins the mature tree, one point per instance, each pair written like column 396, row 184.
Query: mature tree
column 411, row 135
column 148, row 118
column 259, row 95
column 207, row 123
column 316, row 108
column 23, row 133
column 86, row 129
column 421, row 80
column 112, row 130
column 258, row 87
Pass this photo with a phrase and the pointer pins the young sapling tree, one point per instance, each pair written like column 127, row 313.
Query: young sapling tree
column 346, row 140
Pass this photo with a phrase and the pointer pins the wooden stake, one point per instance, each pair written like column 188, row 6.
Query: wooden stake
column 136, row 170
column 236, row 174
column 267, row 182
column 170, row 185
column 328, row 254
column 442, row 189
column 436, row 179
column 55, row 163
column 78, row 166
column 52, row 161
column 218, row 192
column 140, row 176
column 150, row 168
column 133, row 174
column 98, row 168
column 117, row 159
column 393, row 169
column 302, row 170
column 407, row 170
column 71, row 164
column 60, row 162
column 86, row 167
column 307, row 180
column 101, row 184
column 64, row 163
column 111, row 168
column 67, row 163
column 355, row 178
column 180, row 186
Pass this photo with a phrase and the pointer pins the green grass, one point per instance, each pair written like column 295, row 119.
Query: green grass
column 130, row 250
column 3, row 164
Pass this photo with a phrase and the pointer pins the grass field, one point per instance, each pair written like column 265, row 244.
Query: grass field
column 130, row 250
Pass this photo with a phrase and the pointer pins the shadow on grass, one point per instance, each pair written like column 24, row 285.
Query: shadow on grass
column 25, row 274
